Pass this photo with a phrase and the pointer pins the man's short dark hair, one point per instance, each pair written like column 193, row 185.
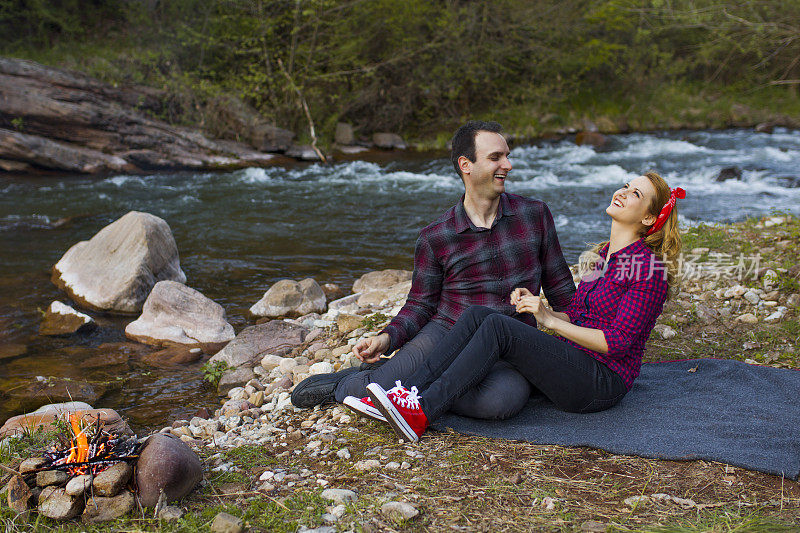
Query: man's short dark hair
column 464, row 140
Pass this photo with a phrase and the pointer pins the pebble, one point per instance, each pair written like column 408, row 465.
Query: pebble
column 339, row 496
column 747, row 318
column 170, row 513
column 368, row 464
column 392, row 466
column 751, row 297
column 227, row 523
column 634, row 501
column 344, row 453
column 399, row 510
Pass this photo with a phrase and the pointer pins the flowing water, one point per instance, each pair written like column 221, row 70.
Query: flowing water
column 238, row 232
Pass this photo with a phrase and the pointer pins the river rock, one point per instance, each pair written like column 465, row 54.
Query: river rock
column 235, row 377
column 399, row 510
column 116, row 269
column 748, row 318
column 173, row 356
column 18, row 494
column 227, row 523
column 78, row 485
column 56, row 389
column 344, row 134
column 51, row 477
column 111, row 480
column 323, row 367
column 389, row 141
column 175, row 313
column 303, row 152
column 61, row 319
column 729, row 173
column 30, row 421
column 271, row 361
column 251, row 344
column 31, row 464
column 234, row 119
column 339, row 496
column 56, row 504
column 165, row 463
column 348, row 304
column 592, row 138
column 381, row 279
column 291, row 298
column 752, row 297
column 104, row 509
column 347, row 323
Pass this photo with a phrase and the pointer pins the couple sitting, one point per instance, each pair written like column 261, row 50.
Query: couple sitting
column 467, row 339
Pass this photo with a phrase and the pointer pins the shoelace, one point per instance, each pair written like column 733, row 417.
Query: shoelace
column 410, row 400
column 398, row 390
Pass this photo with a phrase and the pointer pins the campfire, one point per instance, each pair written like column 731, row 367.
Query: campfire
column 88, row 448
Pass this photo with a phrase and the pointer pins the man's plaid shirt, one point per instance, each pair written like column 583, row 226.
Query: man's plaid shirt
column 457, row 264
column 624, row 303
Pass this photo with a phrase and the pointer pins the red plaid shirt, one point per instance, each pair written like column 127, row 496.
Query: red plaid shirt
column 623, row 303
column 457, row 264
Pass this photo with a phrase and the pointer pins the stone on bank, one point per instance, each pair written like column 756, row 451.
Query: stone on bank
column 291, row 298
column 115, row 270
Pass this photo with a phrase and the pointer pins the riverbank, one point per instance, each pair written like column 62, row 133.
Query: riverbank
column 270, row 464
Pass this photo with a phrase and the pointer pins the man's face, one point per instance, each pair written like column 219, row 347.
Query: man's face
column 486, row 176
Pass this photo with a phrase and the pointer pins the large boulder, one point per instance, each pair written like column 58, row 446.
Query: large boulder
column 381, row 279
column 389, row 141
column 252, row 344
column 48, row 416
column 61, row 319
column 176, row 314
column 116, row 269
column 291, row 298
column 166, row 463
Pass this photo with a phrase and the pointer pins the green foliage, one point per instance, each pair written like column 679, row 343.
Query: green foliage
column 212, row 372
column 375, row 320
column 424, row 65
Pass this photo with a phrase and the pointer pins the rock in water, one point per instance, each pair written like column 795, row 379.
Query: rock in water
column 252, row 344
column 102, row 509
column 389, row 141
column 291, row 298
column 61, row 319
column 116, row 269
column 729, row 173
column 175, row 313
column 166, row 463
column 56, row 504
column 598, row 140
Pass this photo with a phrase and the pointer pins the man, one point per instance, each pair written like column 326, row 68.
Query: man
column 476, row 253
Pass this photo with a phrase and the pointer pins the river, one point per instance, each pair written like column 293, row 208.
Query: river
column 238, row 232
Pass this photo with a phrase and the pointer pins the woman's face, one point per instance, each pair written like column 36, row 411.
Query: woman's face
column 630, row 204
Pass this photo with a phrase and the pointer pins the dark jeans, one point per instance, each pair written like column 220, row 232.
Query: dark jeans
column 572, row 379
column 501, row 394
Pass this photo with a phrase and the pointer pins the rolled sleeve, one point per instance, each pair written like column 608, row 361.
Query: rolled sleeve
column 422, row 300
column 637, row 311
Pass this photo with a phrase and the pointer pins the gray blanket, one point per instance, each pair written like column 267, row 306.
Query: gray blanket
column 711, row 409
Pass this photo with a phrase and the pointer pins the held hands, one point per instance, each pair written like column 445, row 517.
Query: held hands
column 370, row 349
column 526, row 302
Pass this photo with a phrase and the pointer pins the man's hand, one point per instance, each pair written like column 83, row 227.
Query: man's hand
column 370, row 349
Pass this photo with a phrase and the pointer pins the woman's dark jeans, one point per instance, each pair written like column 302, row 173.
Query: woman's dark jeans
column 572, row 379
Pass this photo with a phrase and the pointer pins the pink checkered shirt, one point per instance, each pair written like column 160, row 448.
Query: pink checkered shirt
column 624, row 304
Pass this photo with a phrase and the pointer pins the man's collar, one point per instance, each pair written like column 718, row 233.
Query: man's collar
column 462, row 221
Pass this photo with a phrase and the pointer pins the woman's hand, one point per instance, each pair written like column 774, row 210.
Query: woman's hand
column 533, row 305
column 518, row 293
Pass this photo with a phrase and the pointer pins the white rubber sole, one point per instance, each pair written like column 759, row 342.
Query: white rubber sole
column 355, row 404
column 393, row 417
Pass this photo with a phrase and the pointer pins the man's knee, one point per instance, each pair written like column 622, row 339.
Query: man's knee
column 501, row 395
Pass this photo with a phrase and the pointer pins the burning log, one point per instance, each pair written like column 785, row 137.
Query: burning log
column 89, row 450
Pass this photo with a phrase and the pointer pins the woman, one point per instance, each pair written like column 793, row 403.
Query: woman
column 591, row 362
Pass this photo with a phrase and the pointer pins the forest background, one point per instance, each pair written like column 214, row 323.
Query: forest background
column 420, row 67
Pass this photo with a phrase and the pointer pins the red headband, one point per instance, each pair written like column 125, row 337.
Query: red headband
column 677, row 192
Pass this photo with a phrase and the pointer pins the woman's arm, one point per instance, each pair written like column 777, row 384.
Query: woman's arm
column 593, row 339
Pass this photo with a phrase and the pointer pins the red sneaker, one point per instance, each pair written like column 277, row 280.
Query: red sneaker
column 365, row 407
column 401, row 409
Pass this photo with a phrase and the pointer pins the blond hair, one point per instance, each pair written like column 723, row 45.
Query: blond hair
column 666, row 242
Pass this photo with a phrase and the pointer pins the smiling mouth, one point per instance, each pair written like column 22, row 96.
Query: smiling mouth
column 617, row 203
column 500, row 176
